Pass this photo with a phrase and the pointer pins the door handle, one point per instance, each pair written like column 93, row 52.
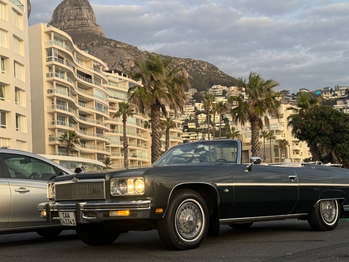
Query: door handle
column 292, row 177
column 22, row 190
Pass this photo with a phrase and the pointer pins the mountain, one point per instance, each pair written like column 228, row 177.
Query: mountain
column 77, row 18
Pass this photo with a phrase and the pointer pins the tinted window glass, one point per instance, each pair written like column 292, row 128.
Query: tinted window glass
column 26, row 167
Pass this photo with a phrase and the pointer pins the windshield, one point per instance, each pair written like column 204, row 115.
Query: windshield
column 200, row 152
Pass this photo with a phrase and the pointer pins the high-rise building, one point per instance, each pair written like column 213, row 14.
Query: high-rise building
column 138, row 134
column 74, row 91
column 68, row 94
column 15, row 110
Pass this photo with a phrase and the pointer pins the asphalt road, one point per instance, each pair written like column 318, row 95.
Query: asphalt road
column 288, row 240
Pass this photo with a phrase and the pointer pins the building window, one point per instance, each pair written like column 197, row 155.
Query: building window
column 2, row 119
column 18, row 45
column 3, row 38
column 2, row 65
column 21, row 123
column 19, row 71
column 17, row 19
column 4, row 142
column 2, row 93
column 19, row 97
column 3, row 11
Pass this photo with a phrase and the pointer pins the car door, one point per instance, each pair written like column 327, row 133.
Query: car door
column 264, row 191
column 27, row 178
column 4, row 200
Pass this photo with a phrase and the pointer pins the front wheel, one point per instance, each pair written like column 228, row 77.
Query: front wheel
column 96, row 234
column 185, row 224
column 324, row 215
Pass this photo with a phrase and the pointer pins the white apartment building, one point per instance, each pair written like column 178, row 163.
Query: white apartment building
column 137, row 134
column 72, row 90
column 15, row 111
column 68, row 93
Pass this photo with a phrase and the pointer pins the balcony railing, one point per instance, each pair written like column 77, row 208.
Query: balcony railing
column 18, row 4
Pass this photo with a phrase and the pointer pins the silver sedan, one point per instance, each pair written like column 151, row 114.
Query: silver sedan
column 23, row 179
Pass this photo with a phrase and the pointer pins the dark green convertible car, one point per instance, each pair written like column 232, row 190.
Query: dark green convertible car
column 192, row 190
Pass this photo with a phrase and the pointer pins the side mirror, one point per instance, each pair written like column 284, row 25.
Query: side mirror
column 254, row 160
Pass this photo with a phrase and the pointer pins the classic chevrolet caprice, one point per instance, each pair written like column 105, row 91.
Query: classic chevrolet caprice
column 192, row 190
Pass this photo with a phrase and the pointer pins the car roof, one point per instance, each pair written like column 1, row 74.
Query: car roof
column 26, row 153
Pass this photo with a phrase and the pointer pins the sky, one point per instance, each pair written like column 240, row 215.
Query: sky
column 298, row 43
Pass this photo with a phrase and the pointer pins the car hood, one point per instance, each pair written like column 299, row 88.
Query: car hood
column 113, row 173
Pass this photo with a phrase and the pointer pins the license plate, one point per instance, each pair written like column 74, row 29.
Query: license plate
column 67, row 218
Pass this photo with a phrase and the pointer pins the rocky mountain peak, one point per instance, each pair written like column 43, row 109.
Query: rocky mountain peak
column 77, row 17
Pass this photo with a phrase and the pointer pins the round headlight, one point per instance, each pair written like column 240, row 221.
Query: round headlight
column 138, row 186
column 122, row 186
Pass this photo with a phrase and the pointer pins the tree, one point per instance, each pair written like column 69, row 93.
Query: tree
column 271, row 137
column 283, row 143
column 260, row 100
column 207, row 104
column 264, row 135
column 233, row 133
column 166, row 125
column 161, row 86
column 304, row 102
column 198, row 97
column 107, row 162
column 214, row 112
column 125, row 110
column 70, row 139
column 326, row 131
column 221, row 108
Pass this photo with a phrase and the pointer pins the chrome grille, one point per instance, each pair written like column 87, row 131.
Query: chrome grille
column 84, row 190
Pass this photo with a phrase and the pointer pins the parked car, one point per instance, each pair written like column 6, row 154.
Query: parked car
column 23, row 180
column 192, row 190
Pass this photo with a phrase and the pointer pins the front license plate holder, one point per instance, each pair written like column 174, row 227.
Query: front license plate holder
column 67, row 218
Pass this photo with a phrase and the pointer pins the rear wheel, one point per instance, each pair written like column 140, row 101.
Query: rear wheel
column 96, row 234
column 186, row 222
column 324, row 215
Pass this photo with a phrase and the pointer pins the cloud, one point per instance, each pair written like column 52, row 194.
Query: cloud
column 299, row 43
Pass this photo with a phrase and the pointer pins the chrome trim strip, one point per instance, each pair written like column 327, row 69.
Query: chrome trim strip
column 281, row 184
column 82, row 180
column 261, row 218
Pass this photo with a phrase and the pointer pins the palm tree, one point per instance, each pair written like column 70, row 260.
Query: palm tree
column 234, row 133
column 283, row 143
column 207, row 104
column 70, row 139
column 260, row 100
column 166, row 125
column 107, row 162
column 221, row 109
column 270, row 137
column 214, row 112
column 125, row 110
column 264, row 134
column 162, row 86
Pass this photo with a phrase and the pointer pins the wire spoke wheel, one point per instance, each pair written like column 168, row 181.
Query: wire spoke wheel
column 329, row 211
column 189, row 220
column 324, row 215
column 185, row 224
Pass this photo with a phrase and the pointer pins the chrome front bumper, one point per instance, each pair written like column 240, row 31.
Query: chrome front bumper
column 98, row 211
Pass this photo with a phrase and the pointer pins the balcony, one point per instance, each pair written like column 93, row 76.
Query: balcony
column 18, row 4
